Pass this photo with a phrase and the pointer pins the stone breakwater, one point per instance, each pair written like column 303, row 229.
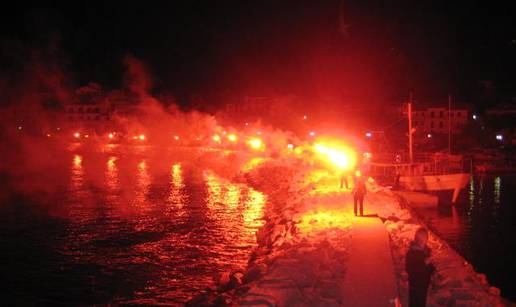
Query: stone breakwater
column 290, row 266
column 456, row 283
column 301, row 256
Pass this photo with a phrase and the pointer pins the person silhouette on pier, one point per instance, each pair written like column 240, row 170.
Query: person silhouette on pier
column 418, row 268
column 359, row 193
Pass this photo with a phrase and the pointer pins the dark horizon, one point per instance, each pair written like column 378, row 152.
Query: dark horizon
column 329, row 48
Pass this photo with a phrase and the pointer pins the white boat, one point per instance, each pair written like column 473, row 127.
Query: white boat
column 424, row 176
column 431, row 172
column 455, row 182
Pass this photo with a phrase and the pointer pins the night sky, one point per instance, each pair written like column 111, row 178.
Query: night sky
column 273, row 47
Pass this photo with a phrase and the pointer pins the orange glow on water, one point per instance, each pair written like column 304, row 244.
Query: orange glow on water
column 177, row 196
column 112, row 182
column 77, row 173
column 143, row 181
column 234, row 202
column 254, row 210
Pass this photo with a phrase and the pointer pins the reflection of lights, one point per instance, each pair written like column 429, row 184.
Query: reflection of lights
column 232, row 137
column 497, row 189
column 255, row 143
column 216, row 138
column 77, row 172
column 111, row 174
column 77, row 135
column 221, row 192
column 177, row 195
column 177, row 175
column 368, row 134
column 499, row 137
column 141, row 137
column 253, row 211
column 77, row 161
column 340, row 156
column 290, row 146
column 142, row 184
column 111, row 163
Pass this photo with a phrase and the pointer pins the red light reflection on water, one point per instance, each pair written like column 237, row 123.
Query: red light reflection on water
column 177, row 196
column 174, row 228
column 77, row 173
column 143, row 181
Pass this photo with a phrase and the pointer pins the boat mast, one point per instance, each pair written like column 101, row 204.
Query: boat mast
column 409, row 111
column 449, row 123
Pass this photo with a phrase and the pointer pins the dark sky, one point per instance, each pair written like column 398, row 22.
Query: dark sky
column 270, row 47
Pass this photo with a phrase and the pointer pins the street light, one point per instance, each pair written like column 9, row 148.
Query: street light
column 474, row 116
column 368, row 134
column 499, row 137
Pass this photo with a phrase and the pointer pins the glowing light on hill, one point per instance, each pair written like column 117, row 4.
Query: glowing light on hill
column 256, row 144
column 232, row 138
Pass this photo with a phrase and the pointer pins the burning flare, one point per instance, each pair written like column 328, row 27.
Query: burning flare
column 340, row 156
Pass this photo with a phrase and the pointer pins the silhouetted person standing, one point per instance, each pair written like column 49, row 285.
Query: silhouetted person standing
column 344, row 181
column 358, row 195
column 418, row 268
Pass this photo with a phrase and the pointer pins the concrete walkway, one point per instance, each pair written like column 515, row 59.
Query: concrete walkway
column 369, row 279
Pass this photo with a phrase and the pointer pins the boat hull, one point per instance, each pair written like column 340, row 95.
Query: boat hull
column 455, row 182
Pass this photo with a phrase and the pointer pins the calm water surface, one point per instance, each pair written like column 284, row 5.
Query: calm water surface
column 482, row 228
column 123, row 225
